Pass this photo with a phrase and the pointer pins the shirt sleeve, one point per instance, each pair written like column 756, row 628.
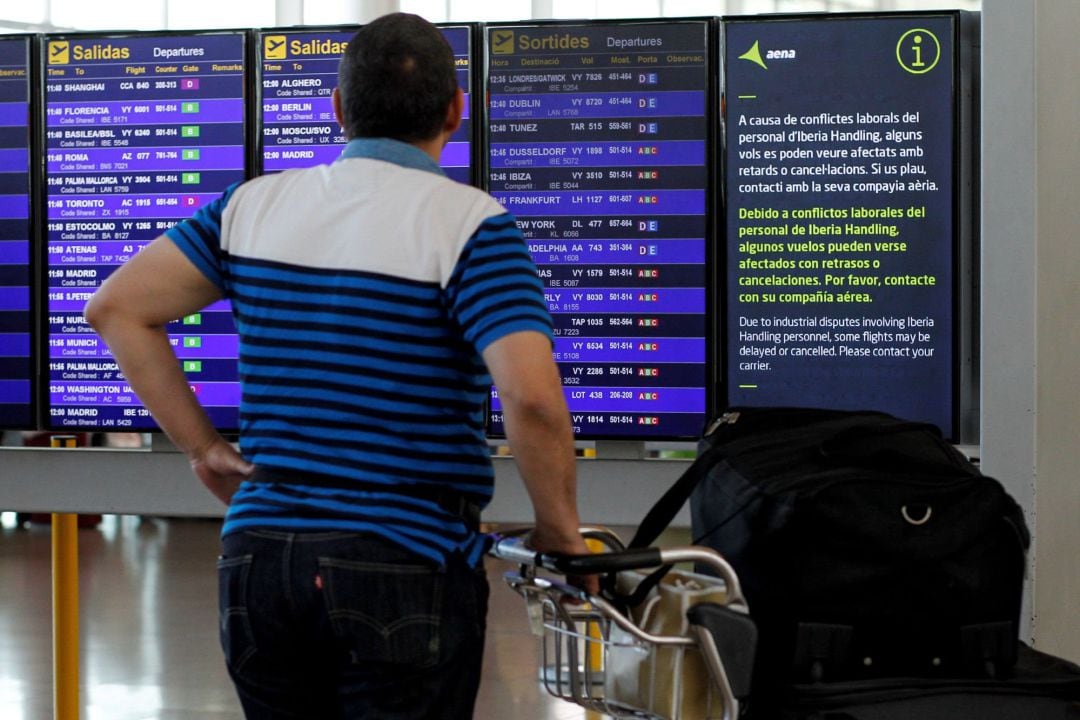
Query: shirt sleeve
column 494, row 289
column 199, row 238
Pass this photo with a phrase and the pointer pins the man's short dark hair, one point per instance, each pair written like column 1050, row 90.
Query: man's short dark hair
column 397, row 79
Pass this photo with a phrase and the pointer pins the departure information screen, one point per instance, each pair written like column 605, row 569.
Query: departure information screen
column 841, row 218
column 140, row 132
column 16, row 367
column 599, row 144
column 299, row 72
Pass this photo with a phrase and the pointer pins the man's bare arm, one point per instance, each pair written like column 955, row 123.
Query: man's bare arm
column 541, row 439
column 130, row 311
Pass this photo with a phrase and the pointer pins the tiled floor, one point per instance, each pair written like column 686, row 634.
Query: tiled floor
column 148, row 643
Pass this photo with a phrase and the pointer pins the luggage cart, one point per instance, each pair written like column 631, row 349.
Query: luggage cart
column 584, row 638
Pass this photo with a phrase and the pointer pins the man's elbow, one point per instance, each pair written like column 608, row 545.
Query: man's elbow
column 99, row 311
column 93, row 312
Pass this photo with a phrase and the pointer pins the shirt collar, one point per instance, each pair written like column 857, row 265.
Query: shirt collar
column 392, row 151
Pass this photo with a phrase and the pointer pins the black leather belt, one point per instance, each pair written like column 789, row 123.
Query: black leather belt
column 447, row 499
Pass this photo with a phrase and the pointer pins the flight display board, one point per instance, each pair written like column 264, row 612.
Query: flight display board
column 298, row 71
column 841, row 218
column 16, row 363
column 140, row 131
column 600, row 143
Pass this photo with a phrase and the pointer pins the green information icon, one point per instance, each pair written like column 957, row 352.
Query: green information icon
column 918, row 51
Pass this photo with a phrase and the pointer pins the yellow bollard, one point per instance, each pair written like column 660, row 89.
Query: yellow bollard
column 65, row 576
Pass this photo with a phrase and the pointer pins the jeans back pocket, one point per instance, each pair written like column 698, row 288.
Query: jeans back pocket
column 384, row 612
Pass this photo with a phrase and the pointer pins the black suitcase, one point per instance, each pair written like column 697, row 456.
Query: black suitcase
column 867, row 546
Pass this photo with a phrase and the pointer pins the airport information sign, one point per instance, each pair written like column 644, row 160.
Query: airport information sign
column 299, row 70
column 16, row 366
column 841, row 214
column 599, row 145
column 140, row 132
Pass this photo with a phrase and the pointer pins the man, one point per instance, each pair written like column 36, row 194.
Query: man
column 372, row 299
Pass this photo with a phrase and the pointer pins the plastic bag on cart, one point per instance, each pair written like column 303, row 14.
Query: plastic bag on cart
column 671, row 682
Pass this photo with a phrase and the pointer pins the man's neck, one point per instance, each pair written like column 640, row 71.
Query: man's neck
column 432, row 147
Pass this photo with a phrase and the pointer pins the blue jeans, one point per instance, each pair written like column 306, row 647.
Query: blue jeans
column 323, row 626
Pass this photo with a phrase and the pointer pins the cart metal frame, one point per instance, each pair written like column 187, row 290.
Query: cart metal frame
column 575, row 628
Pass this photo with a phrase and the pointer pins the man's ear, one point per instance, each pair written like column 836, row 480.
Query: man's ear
column 335, row 98
column 454, row 112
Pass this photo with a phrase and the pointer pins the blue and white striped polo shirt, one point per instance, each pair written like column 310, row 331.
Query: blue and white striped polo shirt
column 364, row 292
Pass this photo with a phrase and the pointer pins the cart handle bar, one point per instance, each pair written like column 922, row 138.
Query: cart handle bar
column 514, row 549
